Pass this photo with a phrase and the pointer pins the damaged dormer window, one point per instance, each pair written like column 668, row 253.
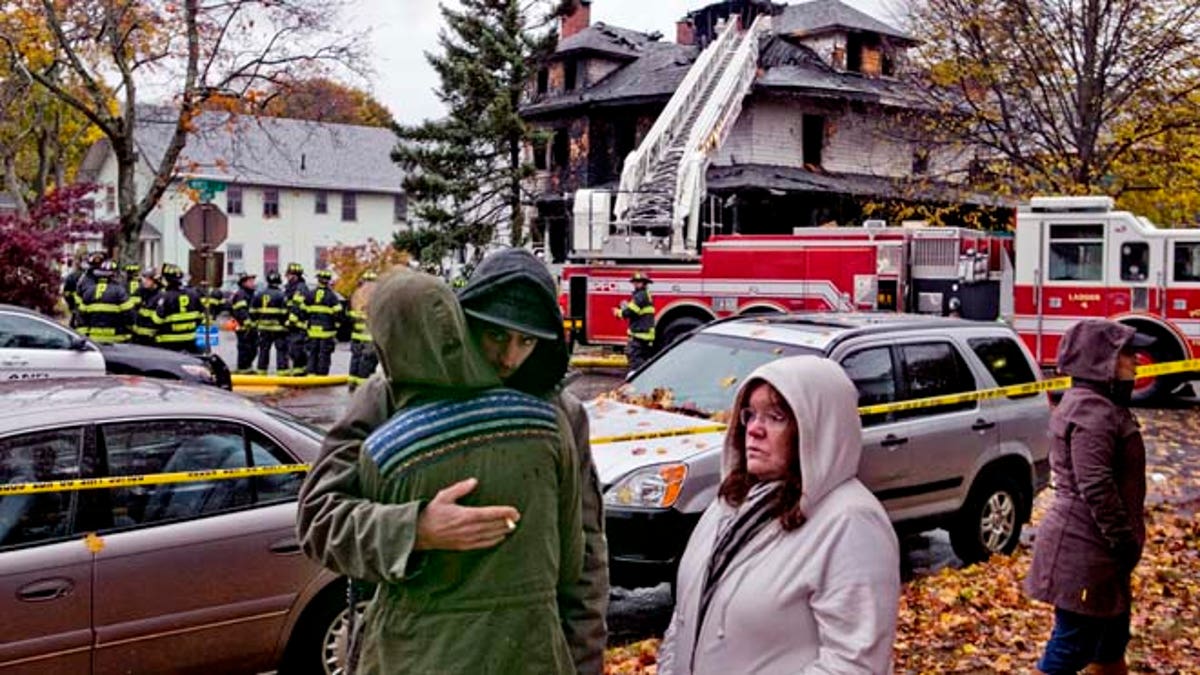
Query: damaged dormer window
column 570, row 71
column 865, row 54
column 560, row 149
column 543, row 80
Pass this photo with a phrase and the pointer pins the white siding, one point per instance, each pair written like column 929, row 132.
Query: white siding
column 298, row 230
column 859, row 144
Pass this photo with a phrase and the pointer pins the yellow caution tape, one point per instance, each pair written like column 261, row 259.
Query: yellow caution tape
column 147, row 479
column 646, row 435
column 615, row 361
column 1168, row 368
column 289, row 380
column 1054, row 384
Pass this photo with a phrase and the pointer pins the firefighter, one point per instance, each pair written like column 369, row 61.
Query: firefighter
column 247, row 336
column 296, row 291
column 144, row 326
column 105, row 308
column 178, row 312
column 639, row 312
column 133, row 273
column 78, row 283
column 363, row 359
column 268, row 312
column 214, row 303
column 322, row 312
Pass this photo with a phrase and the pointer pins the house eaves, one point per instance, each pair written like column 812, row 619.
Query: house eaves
column 819, row 17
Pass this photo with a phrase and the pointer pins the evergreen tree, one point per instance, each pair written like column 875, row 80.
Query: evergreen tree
column 465, row 171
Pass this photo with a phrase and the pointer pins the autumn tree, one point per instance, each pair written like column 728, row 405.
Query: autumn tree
column 1063, row 96
column 317, row 99
column 465, row 171
column 42, row 140
column 29, row 276
column 194, row 51
column 350, row 262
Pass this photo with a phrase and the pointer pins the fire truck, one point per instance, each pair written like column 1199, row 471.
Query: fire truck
column 1069, row 258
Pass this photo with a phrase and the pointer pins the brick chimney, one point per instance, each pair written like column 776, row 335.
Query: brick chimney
column 578, row 18
column 685, row 32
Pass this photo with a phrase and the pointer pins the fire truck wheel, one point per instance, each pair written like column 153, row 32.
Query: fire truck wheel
column 1150, row 389
column 990, row 520
column 676, row 329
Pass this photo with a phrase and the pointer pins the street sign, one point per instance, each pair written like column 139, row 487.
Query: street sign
column 205, row 226
column 206, row 185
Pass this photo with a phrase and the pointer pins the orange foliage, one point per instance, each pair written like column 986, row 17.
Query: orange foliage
column 349, row 262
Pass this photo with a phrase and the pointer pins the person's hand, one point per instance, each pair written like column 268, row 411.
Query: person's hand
column 446, row 526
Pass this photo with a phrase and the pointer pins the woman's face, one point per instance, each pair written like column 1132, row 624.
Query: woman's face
column 770, row 434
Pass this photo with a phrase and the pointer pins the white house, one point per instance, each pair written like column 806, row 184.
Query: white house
column 293, row 188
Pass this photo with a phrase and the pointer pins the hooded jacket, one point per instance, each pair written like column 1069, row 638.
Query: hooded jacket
column 493, row 610
column 822, row 598
column 542, row 375
column 1092, row 536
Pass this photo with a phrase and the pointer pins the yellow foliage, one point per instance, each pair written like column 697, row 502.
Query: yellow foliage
column 350, row 262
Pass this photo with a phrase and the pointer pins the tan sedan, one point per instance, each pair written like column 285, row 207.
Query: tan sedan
column 203, row 577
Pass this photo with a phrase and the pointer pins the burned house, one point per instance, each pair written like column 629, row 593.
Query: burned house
column 760, row 117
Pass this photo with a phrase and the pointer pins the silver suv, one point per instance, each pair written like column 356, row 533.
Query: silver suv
column 972, row 468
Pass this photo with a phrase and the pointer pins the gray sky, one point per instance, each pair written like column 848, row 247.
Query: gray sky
column 403, row 30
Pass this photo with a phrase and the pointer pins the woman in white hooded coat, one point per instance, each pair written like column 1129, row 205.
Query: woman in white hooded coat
column 795, row 567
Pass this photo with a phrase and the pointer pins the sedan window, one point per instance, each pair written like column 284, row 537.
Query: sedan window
column 277, row 487
column 20, row 332
column 154, row 447
column 32, row 458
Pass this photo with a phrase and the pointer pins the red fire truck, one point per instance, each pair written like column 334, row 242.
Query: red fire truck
column 1071, row 257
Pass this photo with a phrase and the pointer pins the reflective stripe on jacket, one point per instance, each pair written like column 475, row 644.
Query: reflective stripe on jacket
column 106, row 312
column 269, row 311
column 360, row 332
column 177, row 314
column 321, row 311
column 639, row 312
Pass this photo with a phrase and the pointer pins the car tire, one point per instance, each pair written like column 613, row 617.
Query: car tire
column 990, row 521
column 676, row 329
column 317, row 646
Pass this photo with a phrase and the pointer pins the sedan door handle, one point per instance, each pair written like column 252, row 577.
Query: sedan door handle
column 46, row 589
column 289, row 546
column 14, row 362
column 982, row 425
column 892, row 440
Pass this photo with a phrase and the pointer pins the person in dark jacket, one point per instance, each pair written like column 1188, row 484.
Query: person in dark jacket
column 295, row 291
column 177, row 313
column 363, row 359
column 105, row 308
column 1091, row 538
column 144, row 327
column 496, row 610
column 79, row 285
column 133, row 281
column 247, row 336
column 516, row 321
column 268, row 311
column 639, row 312
column 321, row 312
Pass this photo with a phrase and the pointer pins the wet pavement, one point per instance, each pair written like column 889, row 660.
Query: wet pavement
column 1173, row 472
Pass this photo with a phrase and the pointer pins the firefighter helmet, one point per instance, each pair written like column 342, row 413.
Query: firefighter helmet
column 273, row 278
column 107, row 269
column 172, row 272
column 642, row 277
column 295, row 268
column 133, row 269
column 368, row 276
column 246, row 276
column 324, row 275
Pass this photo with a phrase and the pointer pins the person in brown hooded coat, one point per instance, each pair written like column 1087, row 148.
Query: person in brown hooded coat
column 1092, row 536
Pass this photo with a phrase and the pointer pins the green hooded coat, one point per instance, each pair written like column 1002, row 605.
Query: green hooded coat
column 491, row 611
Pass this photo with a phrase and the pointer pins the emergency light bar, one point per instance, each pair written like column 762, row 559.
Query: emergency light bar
column 1071, row 204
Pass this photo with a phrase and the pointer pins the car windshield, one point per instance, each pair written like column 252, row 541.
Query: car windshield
column 699, row 376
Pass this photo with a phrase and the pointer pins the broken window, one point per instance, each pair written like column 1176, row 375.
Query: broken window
column 812, row 139
column 854, row 52
column 539, row 154
column 570, row 70
column 543, row 80
column 560, row 151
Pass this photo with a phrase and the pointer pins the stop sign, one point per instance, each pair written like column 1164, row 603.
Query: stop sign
column 205, row 226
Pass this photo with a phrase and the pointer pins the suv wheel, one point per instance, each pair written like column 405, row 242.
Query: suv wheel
column 990, row 522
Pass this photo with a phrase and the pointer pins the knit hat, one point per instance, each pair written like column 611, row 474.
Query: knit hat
column 519, row 306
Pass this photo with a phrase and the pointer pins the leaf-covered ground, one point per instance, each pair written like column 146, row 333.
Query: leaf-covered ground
column 978, row 620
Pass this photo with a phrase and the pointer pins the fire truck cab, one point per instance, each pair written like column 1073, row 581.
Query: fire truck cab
column 1079, row 258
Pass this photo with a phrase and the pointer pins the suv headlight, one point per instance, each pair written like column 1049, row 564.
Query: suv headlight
column 654, row 487
column 199, row 372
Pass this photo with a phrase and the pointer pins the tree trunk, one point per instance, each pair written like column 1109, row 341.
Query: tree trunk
column 129, row 231
column 516, row 227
